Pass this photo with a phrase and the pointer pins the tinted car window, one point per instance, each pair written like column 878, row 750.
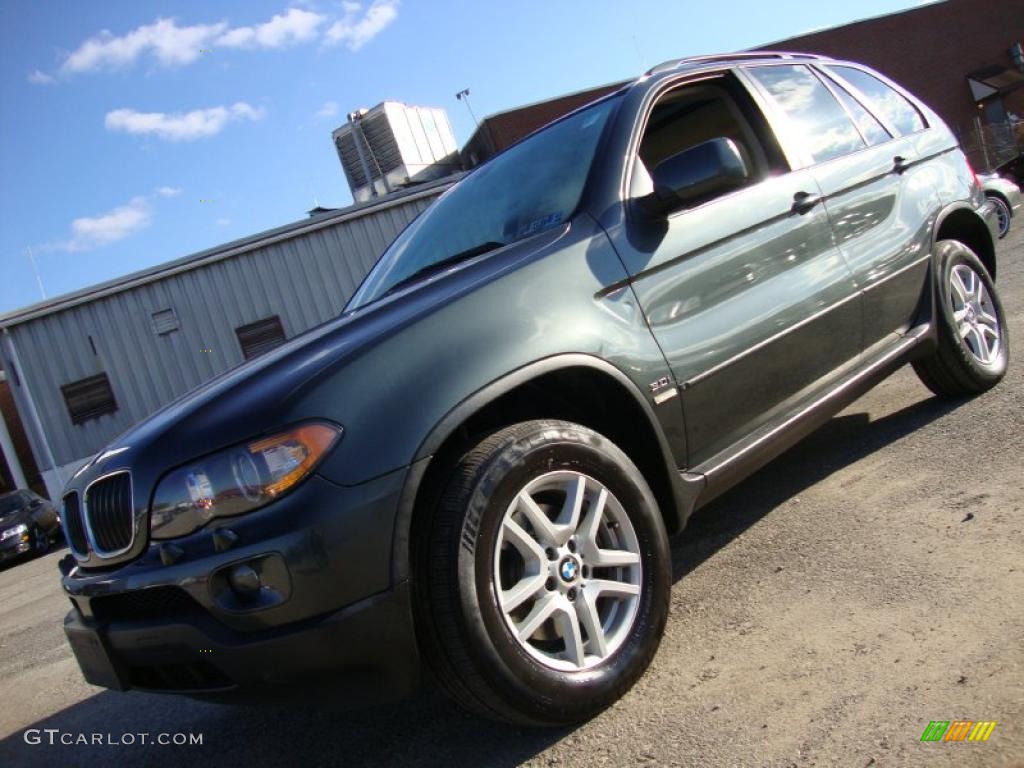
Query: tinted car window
column 819, row 122
column 872, row 130
column 892, row 106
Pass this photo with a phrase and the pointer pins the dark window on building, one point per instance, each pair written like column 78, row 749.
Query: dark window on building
column 165, row 321
column 892, row 106
column 89, row 398
column 817, row 120
column 261, row 336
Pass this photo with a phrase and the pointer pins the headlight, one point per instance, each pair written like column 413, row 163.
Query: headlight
column 15, row 531
column 237, row 480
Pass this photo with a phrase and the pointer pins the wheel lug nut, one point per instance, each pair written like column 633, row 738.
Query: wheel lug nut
column 586, row 571
column 552, row 553
column 571, row 594
column 572, row 545
column 550, row 584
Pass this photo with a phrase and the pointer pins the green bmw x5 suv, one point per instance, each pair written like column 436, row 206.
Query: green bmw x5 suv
column 475, row 469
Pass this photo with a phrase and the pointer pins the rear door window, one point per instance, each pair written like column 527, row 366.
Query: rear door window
column 818, row 123
column 892, row 106
column 872, row 130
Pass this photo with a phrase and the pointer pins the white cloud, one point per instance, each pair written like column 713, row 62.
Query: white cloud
column 222, row 222
column 293, row 26
column 167, row 191
column 88, row 232
column 181, row 126
column 164, row 40
column 40, row 78
column 356, row 28
column 329, row 109
column 171, row 45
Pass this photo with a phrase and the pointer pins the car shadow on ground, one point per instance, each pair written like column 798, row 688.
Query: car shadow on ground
column 428, row 729
column 840, row 442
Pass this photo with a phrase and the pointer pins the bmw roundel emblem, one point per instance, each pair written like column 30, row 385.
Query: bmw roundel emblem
column 568, row 569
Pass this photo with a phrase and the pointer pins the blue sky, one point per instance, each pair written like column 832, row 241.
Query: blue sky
column 135, row 132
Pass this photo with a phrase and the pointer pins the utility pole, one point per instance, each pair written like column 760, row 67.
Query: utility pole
column 463, row 95
column 35, row 269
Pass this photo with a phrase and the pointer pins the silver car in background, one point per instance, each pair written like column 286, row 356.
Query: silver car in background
column 1004, row 195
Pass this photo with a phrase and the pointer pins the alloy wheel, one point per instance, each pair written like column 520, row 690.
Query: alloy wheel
column 567, row 571
column 1002, row 215
column 977, row 320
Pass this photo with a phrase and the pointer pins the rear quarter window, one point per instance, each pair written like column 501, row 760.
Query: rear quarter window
column 892, row 106
column 816, row 119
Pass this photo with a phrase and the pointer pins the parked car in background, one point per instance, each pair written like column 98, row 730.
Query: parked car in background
column 1004, row 195
column 475, row 469
column 28, row 523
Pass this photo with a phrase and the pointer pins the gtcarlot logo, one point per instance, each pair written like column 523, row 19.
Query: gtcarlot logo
column 53, row 736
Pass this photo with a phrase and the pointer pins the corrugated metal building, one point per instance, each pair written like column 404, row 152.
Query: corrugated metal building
column 86, row 366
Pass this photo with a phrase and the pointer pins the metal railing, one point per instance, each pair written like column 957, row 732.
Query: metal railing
column 990, row 147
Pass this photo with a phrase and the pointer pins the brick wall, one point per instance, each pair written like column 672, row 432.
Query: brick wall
column 501, row 131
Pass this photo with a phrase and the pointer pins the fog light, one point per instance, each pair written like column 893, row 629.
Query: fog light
column 244, row 580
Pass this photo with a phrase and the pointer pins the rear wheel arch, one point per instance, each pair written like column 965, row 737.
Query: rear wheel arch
column 1001, row 196
column 564, row 387
column 960, row 222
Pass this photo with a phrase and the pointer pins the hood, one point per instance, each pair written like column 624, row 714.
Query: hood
column 267, row 393
column 13, row 518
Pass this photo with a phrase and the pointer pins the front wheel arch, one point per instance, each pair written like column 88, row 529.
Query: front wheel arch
column 514, row 398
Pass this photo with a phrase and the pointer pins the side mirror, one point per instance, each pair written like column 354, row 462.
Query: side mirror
column 695, row 175
column 35, row 504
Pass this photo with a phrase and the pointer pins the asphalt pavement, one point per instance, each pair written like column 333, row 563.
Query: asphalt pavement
column 824, row 611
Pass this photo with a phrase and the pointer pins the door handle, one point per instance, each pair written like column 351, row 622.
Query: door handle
column 804, row 201
column 900, row 164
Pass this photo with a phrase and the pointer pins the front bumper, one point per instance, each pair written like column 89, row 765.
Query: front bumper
column 1006, row 188
column 14, row 546
column 326, row 613
column 366, row 650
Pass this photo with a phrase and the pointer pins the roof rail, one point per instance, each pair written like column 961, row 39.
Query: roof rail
column 674, row 63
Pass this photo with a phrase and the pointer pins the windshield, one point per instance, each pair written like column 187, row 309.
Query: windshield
column 533, row 186
column 10, row 503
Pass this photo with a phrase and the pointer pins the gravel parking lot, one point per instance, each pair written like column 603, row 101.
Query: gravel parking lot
column 825, row 611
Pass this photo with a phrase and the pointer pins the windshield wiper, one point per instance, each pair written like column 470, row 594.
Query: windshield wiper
column 438, row 266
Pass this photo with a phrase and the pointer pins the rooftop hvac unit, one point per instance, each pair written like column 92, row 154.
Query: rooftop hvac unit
column 393, row 146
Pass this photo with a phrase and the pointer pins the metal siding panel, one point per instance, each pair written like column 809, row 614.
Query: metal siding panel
column 332, row 269
column 205, row 288
column 346, row 263
column 284, row 293
column 148, row 342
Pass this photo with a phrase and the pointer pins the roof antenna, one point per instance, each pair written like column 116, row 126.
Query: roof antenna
column 636, row 45
column 39, row 280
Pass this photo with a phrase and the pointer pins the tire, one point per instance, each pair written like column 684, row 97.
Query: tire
column 1003, row 213
column 961, row 366
column 40, row 541
column 475, row 560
